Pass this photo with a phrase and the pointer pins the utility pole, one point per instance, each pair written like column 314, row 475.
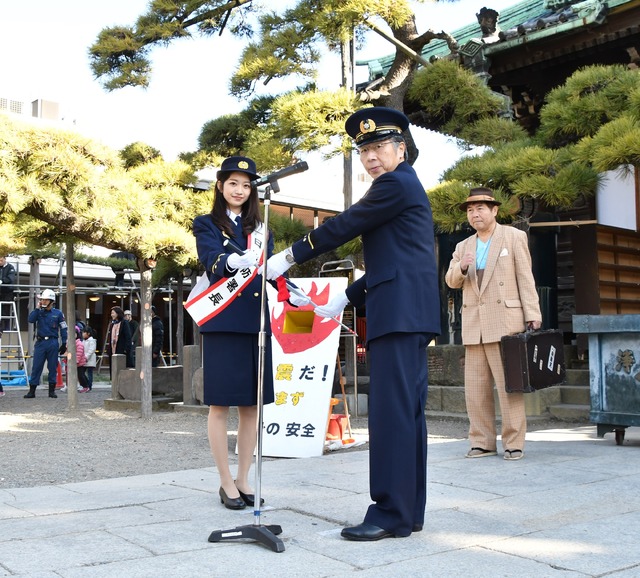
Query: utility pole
column 347, row 81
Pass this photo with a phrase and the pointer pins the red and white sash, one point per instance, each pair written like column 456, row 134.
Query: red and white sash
column 205, row 301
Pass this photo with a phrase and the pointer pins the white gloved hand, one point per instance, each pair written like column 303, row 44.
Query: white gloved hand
column 277, row 264
column 298, row 299
column 335, row 306
column 248, row 259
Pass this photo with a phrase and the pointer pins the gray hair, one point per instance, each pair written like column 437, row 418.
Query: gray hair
column 396, row 139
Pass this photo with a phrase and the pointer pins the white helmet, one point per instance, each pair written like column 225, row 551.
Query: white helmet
column 48, row 294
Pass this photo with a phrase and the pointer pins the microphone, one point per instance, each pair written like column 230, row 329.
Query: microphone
column 229, row 243
column 281, row 174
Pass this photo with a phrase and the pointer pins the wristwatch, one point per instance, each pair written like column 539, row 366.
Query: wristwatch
column 288, row 255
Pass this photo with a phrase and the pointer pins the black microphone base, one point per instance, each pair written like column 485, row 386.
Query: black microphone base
column 266, row 535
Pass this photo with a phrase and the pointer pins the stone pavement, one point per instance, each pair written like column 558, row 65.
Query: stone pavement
column 570, row 508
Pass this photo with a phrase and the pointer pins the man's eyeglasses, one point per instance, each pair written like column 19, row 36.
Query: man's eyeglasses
column 374, row 147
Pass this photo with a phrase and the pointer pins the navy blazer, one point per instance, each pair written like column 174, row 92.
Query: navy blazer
column 242, row 315
column 400, row 285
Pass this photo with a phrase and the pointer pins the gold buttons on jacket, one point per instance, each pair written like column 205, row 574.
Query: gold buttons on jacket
column 256, row 294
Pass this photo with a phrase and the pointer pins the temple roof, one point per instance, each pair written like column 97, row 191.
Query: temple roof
column 524, row 23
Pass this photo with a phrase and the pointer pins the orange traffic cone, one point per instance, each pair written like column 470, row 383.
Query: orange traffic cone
column 333, row 432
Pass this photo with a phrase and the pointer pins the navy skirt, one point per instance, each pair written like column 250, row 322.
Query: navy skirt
column 230, row 369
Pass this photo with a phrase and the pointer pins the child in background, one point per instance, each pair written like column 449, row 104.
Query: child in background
column 81, row 361
column 90, row 345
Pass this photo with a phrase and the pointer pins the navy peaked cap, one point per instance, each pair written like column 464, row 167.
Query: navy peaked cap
column 372, row 124
column 238, row 165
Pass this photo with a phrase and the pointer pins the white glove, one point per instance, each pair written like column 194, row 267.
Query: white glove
column 248, row 259
column 335, row 306
column 298, row 299
column 277, row 264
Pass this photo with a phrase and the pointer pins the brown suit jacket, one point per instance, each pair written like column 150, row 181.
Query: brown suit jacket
column 507, row 298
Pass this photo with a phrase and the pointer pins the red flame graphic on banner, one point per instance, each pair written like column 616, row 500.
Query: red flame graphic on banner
column 296, row 342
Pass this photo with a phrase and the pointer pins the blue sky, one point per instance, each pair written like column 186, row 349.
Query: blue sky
column 44, row 45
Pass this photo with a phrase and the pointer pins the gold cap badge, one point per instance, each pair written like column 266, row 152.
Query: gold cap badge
column 367, row 125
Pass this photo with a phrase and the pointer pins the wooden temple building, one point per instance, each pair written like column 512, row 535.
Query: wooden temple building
column 587, row 259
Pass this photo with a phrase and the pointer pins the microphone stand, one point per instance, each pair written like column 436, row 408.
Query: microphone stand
column 267, row 535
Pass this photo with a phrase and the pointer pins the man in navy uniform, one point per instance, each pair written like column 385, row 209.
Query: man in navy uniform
column 400, row 291
column 50, row 325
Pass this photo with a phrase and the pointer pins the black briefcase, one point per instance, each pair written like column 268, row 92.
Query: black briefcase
column 533, row 360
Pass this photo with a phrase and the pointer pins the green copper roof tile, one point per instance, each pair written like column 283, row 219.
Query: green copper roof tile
column 591, row 11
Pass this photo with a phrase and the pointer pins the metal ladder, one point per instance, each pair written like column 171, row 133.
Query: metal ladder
column 13, row 363
column 103, row 355
column 346, row 268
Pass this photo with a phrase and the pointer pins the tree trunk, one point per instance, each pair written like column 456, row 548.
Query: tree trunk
column 70, row 315
column 145, row 332
column 393, row 90
column 196, row 330
column 180, row 321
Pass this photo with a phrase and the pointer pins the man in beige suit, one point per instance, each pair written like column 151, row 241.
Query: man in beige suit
column 499, row 297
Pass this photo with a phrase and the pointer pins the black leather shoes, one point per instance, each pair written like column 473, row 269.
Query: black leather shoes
column 231, row 503
column 365, row 533
column 417, row 528
column 249, row 499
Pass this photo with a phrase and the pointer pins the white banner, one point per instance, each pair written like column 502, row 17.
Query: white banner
column 305, row 348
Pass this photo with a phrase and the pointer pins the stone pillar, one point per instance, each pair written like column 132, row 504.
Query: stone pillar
column 192, row 361
column 118, row 364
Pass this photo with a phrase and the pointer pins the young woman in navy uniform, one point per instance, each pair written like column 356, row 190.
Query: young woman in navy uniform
column 401, row 292
column 230, row 338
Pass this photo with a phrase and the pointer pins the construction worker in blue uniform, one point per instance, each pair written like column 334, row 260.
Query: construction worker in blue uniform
column 401, row 293
column 50, row 341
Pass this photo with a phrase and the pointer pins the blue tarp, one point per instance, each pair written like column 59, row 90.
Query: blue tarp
column 14, row 377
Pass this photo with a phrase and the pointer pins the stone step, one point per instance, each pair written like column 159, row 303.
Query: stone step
column 577, row 377
column 446, row 387
column 575, row 394
column 578, row 363
column 179, row 406
column 447, row 398
column 158, row 402
column 447, row 415
column 570, row 412
column 532, row 420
